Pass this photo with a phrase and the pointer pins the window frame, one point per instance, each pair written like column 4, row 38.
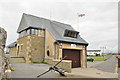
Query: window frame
column 69, row 33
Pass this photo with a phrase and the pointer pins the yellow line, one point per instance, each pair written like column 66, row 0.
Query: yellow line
column 116, row 70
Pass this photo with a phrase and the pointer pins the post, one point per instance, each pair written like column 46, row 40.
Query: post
column 79, row 15
column 3, row 36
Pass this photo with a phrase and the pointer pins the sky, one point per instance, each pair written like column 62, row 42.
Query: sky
column 99, row 26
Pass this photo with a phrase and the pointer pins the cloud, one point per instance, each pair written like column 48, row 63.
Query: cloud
column 98, row 27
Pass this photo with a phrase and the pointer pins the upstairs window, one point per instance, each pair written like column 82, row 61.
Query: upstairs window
column 70, row 33
column 28, row 31
column 32, row 31
column 23, row 33
column 36, row 32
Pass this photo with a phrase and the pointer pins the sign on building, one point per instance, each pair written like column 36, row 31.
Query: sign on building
column 73, row 45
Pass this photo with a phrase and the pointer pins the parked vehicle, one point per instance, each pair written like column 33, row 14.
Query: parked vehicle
column 116, row 57
column 90, row 59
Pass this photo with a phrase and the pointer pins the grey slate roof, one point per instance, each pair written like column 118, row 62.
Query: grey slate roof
column 12, row 45
column 55, row 28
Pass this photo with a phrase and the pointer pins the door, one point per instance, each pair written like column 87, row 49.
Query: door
column 73, row 55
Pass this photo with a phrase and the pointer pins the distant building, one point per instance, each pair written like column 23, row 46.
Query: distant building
column 94, row 53
column 41, row 39
column 11, row 48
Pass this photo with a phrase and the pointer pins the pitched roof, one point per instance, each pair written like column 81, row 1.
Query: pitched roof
column 55, row 28
column 12, row 45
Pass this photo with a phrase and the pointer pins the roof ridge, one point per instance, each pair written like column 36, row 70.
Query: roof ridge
column 46, row 19
column 61, row 22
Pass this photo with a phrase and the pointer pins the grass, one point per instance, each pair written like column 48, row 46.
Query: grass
column 12, row 69
column 98, row 58
column 40, row 62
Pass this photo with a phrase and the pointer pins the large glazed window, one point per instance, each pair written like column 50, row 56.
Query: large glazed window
column 32, row 31
column 29, row 31
column 23, row 33
column 36, row 32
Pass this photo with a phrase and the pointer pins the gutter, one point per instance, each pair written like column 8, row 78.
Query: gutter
column 72, row 42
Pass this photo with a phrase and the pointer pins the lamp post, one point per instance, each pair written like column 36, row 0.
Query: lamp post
column 103, row 50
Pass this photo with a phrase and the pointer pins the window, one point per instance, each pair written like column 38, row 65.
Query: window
column 32, row 31
column 70, row 33
column 95, row 53
column 75, row 35
column 29, row 31
column 23, row 33
column 48, row 53
column 36, row 32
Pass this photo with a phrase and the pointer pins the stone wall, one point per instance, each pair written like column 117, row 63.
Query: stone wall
column 31, row 47
column 65, row 64
column 13, row 52
column 17, row 60
column 37, row 48
column 3, row 36
column 49, row 45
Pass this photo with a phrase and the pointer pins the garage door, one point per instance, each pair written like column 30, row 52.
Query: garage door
column 73, row 55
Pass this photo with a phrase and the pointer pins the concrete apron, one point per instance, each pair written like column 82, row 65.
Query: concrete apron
column 91, row 73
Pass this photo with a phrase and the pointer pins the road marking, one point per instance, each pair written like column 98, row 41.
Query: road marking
column 116, row 70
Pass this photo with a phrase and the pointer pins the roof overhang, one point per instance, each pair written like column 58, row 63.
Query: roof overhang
column 71, row 42
column 33, row 27
column 14, row 44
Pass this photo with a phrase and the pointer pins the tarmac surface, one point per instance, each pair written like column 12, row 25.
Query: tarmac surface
column 93, row 64
column 24, row 70
column 108, row 65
